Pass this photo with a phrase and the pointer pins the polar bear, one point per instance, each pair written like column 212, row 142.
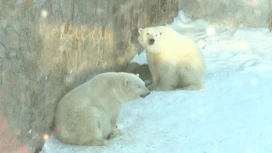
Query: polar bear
column 174, row 60
column 87, row 115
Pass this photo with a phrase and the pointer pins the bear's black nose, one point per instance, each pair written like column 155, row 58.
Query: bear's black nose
column 144, row 95
column 151, row 41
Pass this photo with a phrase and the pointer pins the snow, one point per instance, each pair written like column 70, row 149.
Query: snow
column 231, row 114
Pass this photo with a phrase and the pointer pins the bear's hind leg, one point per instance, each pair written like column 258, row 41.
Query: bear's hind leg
column 168, row 80
column 95, row 141
column 94, row 137
column 191, row 80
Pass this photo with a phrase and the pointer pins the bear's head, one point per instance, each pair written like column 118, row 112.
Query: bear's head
column 149, row 38
column 133, row 88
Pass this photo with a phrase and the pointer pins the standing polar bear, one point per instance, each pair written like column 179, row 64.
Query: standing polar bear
column 174, row 60
column 87, row 115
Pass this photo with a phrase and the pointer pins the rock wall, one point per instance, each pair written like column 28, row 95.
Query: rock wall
column 250, row 13
column 48, row 47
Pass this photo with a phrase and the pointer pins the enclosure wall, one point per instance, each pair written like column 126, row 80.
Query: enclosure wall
column 250, row 13
column 48, row 47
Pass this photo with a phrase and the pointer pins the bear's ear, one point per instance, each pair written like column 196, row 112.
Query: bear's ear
column 138, row 74
column 140, row 30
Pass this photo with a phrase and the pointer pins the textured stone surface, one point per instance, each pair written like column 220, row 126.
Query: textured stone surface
column 49, row 47
column 250, row 13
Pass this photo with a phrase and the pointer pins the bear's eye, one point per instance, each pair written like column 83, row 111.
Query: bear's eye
column 161, row 33
column 139, row 86
column 147, row 33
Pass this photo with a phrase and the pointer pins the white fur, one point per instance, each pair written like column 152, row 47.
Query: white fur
column 175, row 61
column 88, row 114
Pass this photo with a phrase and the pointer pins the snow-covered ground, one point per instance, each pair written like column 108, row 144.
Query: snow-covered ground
column 231, row 114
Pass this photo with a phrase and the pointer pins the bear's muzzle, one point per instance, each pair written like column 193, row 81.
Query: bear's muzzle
column 144, row 95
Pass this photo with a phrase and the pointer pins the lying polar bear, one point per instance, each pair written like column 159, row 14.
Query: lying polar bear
column 87, row 115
